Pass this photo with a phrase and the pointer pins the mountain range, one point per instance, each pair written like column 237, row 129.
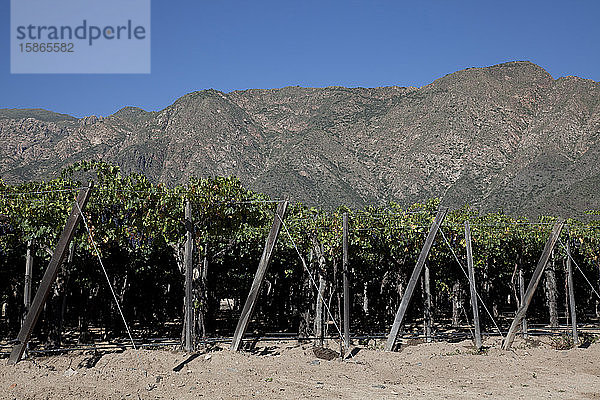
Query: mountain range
column 508, row 137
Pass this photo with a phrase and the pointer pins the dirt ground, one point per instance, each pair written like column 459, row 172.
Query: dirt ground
column 285, row 370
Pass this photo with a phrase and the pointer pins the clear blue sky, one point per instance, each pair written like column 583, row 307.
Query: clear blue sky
column 228, row 45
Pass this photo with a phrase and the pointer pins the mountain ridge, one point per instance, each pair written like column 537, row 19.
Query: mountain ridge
column 508, row 136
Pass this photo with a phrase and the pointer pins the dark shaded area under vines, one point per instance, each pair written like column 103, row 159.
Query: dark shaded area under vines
column 139, row 229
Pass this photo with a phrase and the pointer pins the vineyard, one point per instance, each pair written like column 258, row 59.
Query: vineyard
column 134, row 235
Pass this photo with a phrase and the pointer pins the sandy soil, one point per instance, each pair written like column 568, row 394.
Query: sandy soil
column 291, row 370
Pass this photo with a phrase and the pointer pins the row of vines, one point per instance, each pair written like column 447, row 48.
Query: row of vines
column 138, row 226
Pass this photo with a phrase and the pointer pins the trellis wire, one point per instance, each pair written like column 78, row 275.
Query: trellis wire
column 105, row 274
column 40, row 192
column 467, row 276
column 312, row 280
column 580, row 270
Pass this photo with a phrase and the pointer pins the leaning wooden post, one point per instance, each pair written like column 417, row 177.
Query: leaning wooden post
column 248, row 309
column 391, row 340
column 474, row 303
column 49, row 276
column 346, row 282
column 571, row 291
column 522, row 296
column 533, row 283
column 188, row 263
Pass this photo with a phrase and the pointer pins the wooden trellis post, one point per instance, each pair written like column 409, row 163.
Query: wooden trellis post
column 533, row 283
column 521, row 297
column 28, row 278
column 203, row 295
column 346, row 282
column 49, row 276
column 474, row 303
column 410, row 288
column 319, row 324
column 188, row 263
column 248, row 309
column 572, row 307
column 427, row 303
column 27, row 282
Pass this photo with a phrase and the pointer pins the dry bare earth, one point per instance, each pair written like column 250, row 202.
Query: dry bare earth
column 290, row 370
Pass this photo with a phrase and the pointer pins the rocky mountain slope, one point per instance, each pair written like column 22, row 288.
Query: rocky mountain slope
column 506, row 137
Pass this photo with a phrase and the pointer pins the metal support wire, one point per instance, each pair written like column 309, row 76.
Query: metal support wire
column 106, row 274
column 467, row 276
column 40, row 192
column 580, row 270
column 312, row 280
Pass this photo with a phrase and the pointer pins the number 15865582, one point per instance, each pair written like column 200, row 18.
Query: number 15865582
column 56, row 47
